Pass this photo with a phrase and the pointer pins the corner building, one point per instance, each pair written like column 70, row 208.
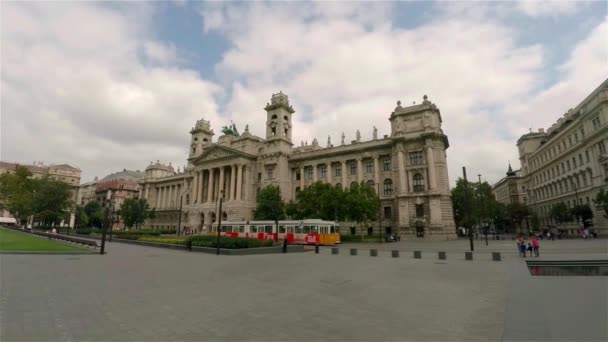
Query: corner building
column 408, row 168
column 568, row 163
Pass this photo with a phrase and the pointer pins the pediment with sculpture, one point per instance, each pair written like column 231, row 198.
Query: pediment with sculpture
column 221, row 152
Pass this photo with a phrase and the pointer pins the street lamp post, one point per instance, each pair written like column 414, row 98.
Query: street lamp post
column 467, row 209
column 485, row 231
column 379, row 212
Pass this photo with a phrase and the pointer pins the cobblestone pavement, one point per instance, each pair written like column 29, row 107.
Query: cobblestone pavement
column 137, row 293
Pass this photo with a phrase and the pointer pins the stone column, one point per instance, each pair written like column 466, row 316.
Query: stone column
column 328, row 165
column 314, row 173
column 301, row 178
column 343, row 174
column 210, row 186
column 239, row 182
column 430, row 162
column 359, row 170
column 246, row 183
column 401, row 169
column 220, row 187
column 147, row 192
column 157, row 194
column 376, row 175
column 232, row 183
column 201, row 187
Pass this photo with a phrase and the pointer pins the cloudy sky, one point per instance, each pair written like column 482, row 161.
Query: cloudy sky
column 112, row 85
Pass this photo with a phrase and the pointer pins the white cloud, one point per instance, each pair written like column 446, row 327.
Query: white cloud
column 538, row 8
column 343, row 74
column 84, row 97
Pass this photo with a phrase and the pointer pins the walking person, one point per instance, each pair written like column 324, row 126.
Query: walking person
column 530, row 249
column 535, row 246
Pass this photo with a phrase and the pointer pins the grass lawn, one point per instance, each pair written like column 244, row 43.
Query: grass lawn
column 16, row 241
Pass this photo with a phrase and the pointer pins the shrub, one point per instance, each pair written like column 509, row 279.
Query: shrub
column 228, row 242
column 168, row 231
column 360, row 238
column 136, row 232
column 173, row 241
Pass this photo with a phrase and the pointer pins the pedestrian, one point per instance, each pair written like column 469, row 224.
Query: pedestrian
column 535, row 246
column 530, row 249
column 521, row 246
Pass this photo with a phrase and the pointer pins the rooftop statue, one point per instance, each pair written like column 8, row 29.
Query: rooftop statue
column 343, row 136
column 375, row 133
column 358, row 136
column 230, row 130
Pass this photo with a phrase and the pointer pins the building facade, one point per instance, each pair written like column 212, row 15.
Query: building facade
column 569, row 162
column 62, row 172
column 408, row 168
column 511, row 188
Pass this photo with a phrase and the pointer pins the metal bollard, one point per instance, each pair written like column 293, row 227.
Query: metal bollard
column 395, row 254
column 284, row 246
column 189, row 245
column 417, row 255
column 353, row 251
column 441, row 255
column 335, row 250
column 495, row 256
column 373, row 252
column 468, row 255
column 317, row 249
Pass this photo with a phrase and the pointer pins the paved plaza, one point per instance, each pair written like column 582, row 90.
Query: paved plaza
column 137, row 293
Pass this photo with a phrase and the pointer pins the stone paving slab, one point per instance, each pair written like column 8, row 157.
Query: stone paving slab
column 137, row 293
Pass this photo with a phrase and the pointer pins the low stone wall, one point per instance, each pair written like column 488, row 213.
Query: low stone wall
column 210, row 250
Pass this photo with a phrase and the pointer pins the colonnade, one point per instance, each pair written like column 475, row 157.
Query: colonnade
column 231, row 179
column 167, row 196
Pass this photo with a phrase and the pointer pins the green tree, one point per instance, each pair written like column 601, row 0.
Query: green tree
column 517, row 213
column 361, row 203
column 80, row 217
column 560, row 213
column 582, row 213
column 601, row 202
column 462, row 204
column 17, row 193
column 95, row 214
column 134, row 212
column 270, row 205
column 51, row 201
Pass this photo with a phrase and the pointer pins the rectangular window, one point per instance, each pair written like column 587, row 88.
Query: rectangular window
column 298, row 175
column 596, row 122
column 582, row 133
column 388, row 187
column 416, row 158
column 309, row 173
column 573, row 162
column 323, row 171
column 601, row 147
column 369, row 166
column 575, row 137
column 419, row 210
column 580, row 159
column 386, row 164
column 563, row 168
column 353, row 167
column 568, row 165
column 269, row 172
column 559, row 148
column 338, row 170
column 570, row 141
column 587, row 155
column 388, row 212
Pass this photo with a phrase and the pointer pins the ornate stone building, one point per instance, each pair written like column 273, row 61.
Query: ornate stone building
column 408, row 168
column 569, row 162
column 510, row 189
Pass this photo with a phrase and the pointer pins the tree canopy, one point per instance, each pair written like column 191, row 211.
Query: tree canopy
column 45, row 198
column 134, row 212
column 601, row 201
column 270, row 205
column 94, row 213
column 560, row 213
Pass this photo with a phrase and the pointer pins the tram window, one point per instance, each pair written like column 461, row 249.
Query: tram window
column 253, row 229
column 299, row 230
column 332, row 229
column 290, row 229
column 268, row 229
column 241, row 229
column 281, row 229
column 314, row 229
column 306, row 229
column 224, row 229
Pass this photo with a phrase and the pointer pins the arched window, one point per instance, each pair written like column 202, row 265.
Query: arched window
column 274, row 117
column 339, row 185
column 388, row 186
column 370, row 183
column 224, row 216
column 418, row 183
column 205, row 139
column 353, row 184
column 187, row 199
column 286, row 118
column 298, row 190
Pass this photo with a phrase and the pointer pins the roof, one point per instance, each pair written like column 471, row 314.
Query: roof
column 65, row 166
column 124, row 174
